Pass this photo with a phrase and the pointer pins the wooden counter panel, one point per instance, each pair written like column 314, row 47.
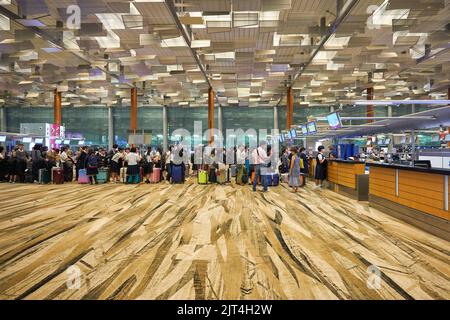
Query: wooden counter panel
column 420, row 176
column 382, row 171
column 382, row 177
column 438, row 196
column 384, row 195
column 422, row 199
column 384, row 189
column 424, row 208
column 435, row 185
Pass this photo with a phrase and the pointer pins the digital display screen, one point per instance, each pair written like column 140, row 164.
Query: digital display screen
column 80, row 143
column 66, row 141
column 293, row 133
column 38, row 140
column 387, row 141
column 304, row 130
column 312, row 127
column 380, row 141
column 435, row 138
column 2, row 138
column 58, row 141
column 447, row 137
column 289, row 136
column 27, row 140
column 403, row 140
column 334, row 121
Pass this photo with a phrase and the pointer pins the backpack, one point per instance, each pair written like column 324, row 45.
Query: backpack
column 92, row 162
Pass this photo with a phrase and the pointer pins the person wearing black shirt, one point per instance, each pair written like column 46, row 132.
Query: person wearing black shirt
column 305, row 170
column 321, row 167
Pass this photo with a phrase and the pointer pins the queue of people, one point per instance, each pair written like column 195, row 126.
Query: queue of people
column 139, row 166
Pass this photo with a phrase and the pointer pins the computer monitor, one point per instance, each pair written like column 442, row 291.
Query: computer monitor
column 27, row 140
column 58, row 141
column 422, row 164
column 2, row 138
column 288, row 135
column 380, row 142
column 387, row 141
column 293, row 133
column 435, row 138
column 447, row 137
column 304, row 130
column 81, row 142
column 67, row 142
column 334, row 121
column 39, row 140
column 312, row 128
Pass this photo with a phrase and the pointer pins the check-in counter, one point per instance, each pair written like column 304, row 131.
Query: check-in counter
column 417, row 195
column 347, row 177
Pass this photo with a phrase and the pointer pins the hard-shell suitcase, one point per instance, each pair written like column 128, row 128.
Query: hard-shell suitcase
column 83, row 177
column 273, row 179
column 57, row 175
column 103, row 175
column 44, row 176
column 155, row 177
column 284, row 177
column 222, row 176
column 203, row 177
column 123, row 175
column 177, row 174
column 212, row 177
column 233, row 170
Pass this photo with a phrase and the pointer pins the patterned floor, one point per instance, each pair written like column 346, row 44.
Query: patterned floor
column 209, row 242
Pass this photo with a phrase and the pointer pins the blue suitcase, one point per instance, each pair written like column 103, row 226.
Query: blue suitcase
column 177, row 174
column 273, row 179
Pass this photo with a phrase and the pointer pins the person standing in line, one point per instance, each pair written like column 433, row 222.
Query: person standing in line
column 37, row 162
column 64, row 158
column 133, row 160
column 81, row 159
column 148, row 164
column 111, row 153
column 70, row 162
column 240, row 164
column 3, row 165
column 294, row 170
column 21, row 163
column 92, row 166
column 115, row 164
column 260, row 159
column 321, row 167
column 169, row 161
column 304, row 171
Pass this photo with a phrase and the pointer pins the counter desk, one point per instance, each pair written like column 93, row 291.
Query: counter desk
column 418, row 196
column 347, row 177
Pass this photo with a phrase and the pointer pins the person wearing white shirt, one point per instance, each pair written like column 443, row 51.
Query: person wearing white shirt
column 260, row 159
column 133, row 159
column 240, row 163
column 63, row 159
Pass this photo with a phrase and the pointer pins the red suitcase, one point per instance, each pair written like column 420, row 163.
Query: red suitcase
column 57, row 175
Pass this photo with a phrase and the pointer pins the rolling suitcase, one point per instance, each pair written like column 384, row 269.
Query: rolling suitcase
column 273, row 179
column 155, row 177
column 284, row 177
column 212, row 177
column 83, row 177
column 57, row 175
column 123, row 175
column 177, row 174
column 103, row 175
column 233, row 170
column 221, row 176
column 44, row 176
column 203, row 177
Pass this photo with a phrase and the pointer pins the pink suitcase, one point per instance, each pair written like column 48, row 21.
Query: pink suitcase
column 156, row 175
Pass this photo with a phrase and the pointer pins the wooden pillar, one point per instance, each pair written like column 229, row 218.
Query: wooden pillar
column 57, row 112
column 133, row 111
column 370, row 112
column 211, row 113
column 448, row 129
column 289, row 108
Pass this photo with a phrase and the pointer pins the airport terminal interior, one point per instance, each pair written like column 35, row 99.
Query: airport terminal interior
column 224, row 149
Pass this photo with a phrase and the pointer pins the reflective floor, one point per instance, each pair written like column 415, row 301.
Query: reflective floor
column 209, row 242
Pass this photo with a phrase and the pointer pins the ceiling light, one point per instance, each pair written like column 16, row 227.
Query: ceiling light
column 173, row 42
column 200, row 43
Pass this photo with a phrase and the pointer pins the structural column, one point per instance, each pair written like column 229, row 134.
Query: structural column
column 370, row 113
column 275, row 118
column 110, row 128
column 219, row 119
column 448, row 129
column 133, row 111
column 289, row 108
column 2, row 120
column 211, row 113
column 165, row 133
column 57, row 112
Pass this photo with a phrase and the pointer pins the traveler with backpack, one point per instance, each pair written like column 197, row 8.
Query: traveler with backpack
column 92, row 161
column 133, row 159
